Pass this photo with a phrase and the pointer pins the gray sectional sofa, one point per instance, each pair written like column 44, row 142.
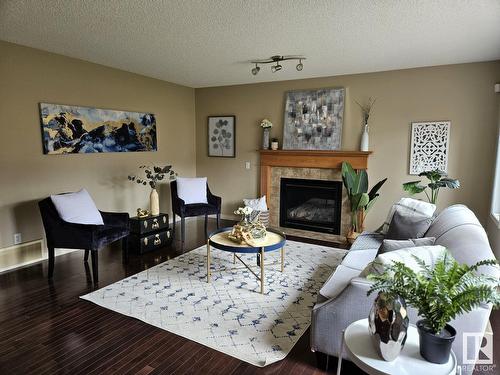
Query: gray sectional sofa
column 342, row 299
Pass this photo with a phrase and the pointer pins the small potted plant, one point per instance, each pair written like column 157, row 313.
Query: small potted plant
column 266, row 125
column 274, row 144
column 438, row 180
column 439, row 294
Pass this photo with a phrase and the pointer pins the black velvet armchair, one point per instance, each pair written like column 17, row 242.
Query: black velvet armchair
column 91, row 238
column 180, row 208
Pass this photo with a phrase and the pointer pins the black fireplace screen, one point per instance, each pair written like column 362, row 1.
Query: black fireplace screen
column 311, row 205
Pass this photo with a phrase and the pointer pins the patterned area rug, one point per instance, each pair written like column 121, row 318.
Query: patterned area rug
column 228, row 314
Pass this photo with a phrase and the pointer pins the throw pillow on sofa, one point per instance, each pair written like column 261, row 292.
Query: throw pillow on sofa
column 78, row 208
column 428, row 254
column 192, row 190
column 392, row 245
column 404, row 227
column 409, row 207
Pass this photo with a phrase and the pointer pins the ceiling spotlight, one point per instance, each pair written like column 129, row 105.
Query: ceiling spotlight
column 255, row 70
column 276, row 60
column 276, row 68
column 299, row 66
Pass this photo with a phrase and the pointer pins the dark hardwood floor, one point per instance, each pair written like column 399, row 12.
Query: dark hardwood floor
column 46, row 329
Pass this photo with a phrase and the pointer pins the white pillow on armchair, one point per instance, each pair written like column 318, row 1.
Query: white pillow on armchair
column 192, row 190
column 78, row 208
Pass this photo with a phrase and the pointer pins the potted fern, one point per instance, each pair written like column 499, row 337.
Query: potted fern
column 439, row 294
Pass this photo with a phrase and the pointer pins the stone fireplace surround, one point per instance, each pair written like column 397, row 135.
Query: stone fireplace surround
column 317, row 165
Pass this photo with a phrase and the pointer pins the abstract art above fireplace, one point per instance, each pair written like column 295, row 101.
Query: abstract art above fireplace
column 70, row 129
column 314, row 119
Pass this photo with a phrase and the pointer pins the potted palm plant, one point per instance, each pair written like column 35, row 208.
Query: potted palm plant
column 356, row 184
column 439, row 294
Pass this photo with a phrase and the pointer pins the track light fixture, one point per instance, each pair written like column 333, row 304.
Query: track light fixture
column 276, row 60
column 276, row 68
column 255, row 70
column 299, row 66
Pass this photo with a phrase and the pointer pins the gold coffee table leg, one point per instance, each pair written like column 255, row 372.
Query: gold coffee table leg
column 261, row 270
column 282, row 258
column 208, row 261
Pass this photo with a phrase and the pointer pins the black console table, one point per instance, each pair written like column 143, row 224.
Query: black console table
column 149, row 233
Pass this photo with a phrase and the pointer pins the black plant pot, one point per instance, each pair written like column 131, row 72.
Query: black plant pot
column 435, row 348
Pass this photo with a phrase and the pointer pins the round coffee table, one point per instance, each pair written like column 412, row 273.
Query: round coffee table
column 274, row 240
column 357, row 343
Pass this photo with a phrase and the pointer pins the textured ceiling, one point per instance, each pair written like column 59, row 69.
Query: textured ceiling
column 209, row 43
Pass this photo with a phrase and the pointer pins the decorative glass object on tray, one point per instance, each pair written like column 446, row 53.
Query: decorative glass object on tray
column 249, row 230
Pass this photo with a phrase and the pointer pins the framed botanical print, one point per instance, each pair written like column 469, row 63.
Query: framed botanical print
column 221, row 136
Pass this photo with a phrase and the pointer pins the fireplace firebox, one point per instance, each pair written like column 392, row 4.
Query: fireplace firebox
column 313, row 205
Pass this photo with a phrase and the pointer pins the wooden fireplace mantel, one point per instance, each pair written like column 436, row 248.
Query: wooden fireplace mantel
column 307, row 159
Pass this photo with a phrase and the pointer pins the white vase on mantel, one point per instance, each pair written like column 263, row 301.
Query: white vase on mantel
column 365, row 139
column 154, row 203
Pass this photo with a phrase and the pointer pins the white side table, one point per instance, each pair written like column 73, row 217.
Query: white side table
column 357, row 343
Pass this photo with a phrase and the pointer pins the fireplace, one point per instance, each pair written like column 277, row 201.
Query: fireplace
column 313, row 205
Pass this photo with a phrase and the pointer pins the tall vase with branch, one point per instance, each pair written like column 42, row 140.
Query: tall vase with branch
column 361, row 200
column 366, row 110
column 152, row 176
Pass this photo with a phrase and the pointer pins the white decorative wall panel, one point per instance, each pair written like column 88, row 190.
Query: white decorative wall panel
column 429, row 146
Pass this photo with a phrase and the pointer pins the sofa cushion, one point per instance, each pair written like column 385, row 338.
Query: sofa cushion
column 428, row 254
column 78, row 208
column 404, row 227
column 192, row 190
column 409, row 207
column 358, row 260
column 338, row 281
column 458, row 229
column 367, row 240
column 391, row 245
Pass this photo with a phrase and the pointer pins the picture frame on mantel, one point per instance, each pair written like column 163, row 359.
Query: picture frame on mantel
column 221, row 136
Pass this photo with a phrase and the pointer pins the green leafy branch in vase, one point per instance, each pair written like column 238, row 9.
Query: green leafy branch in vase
column 438, row 179
column 153, row 174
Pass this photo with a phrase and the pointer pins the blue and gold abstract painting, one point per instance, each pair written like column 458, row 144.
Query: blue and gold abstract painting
column 70, row 129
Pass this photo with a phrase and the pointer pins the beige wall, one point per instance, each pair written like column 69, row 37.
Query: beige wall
column 29, row 76
column 463, row 94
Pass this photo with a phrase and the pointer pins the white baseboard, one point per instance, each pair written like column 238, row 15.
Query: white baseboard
column 42, row 250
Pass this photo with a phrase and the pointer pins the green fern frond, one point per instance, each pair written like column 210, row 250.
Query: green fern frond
column 442, row 292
